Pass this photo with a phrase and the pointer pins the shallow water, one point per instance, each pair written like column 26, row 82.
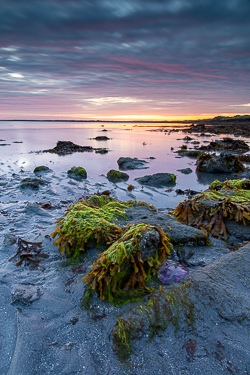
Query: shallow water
column 126, row 140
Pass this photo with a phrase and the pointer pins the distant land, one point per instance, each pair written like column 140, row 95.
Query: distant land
column 212, row 120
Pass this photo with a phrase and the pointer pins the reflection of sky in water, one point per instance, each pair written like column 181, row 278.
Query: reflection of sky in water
column 123, row 142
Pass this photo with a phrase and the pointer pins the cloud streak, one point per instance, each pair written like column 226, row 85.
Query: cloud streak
column 89, row 58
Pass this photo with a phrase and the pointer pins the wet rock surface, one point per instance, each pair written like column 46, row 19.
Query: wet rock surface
column 223, row 163
column 157, row 179
column 77, row 173
column 31, row 183
column 185, row 170
column 226, row 144
column 131, row 163
column 68, row 147
column 117, row 176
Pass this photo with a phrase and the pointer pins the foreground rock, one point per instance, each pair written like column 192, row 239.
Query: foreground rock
column 41, row 168
column 223, row 163
column 217, row 295
column 117, row 176
column 157, row 179
column 131, row 163
column 77, row 173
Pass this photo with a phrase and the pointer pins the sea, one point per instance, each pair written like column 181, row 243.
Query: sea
column 155, row 143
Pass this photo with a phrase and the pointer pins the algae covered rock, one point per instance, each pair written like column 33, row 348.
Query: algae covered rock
column 77, row 173
column 157, row 179
column 92, row 221
column 128, row 263
column 223, row 201
column 41, row 168
column 226, row 144
column 223, row 163
column 117, row 176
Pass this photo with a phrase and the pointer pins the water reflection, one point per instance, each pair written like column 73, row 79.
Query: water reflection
column 206, row 179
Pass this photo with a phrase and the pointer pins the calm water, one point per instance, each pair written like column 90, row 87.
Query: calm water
column 125, row 141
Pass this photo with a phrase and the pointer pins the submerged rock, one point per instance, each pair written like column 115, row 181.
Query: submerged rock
column 24, row 295
column 223, row 163
column 101, row 138
column 131, row 163
column 101, row 151
column 157, row 179
column 117, row 176
column 77, row 173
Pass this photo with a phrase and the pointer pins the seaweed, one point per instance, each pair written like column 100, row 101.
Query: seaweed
column 164, row 307
column 123, row 266
column 229, row 199
column 94, row 220
column 28, row 252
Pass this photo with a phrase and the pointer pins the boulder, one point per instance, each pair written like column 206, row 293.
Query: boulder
column 77, row 173
column 41, row 168
column 31, row 183
column 223, row 163
column 117, row 176
column 185, row 170
column 131, row 163
column 157, row 179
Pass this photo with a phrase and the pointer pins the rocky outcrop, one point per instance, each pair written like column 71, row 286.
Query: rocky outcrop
column 157, row 179
column 131, row 163
column 223, row 163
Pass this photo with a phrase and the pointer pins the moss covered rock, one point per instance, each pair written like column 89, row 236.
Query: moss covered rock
column 94, row 220
column 117, row 176
column 157, row 179
column 128, row 263
column 229, row 200
column 77, row 173
column 41, row 168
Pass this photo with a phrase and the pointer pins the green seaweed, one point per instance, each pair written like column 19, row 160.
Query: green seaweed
column 120, row 269
column 94, row 220
column 166, row 307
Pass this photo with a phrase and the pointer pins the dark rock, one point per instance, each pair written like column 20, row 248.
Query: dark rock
column 31, row 183
column 68, row 147
column 101, row 151
column 223, row 163
column 117, row 176
column 101, row 138
column 185, row 170
column 148, row 243
column 77, row 173
column 131, row 163
column 157, row 179
column 227, row 144
column 41, row 168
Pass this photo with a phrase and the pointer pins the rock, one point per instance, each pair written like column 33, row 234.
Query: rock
column 157, row 179
column 101, row 151
column 77, row 173
column 41, row 168
column 227, row 144
column 223, row 163
column 9, row 239
column 117, row 176
column 131, row 163
column 31, row 183
column 68, row 147
column 178, row 233
column 190, row 153
column 101, row 138
column 24, row 295
column 185, row 171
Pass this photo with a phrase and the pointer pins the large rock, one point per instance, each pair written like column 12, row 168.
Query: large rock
column 131, row 163
column 77, row 173
column 223, row 163
column 157, row 179
column 117, row 176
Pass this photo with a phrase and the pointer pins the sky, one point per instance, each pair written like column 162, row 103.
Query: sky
column 124, row 59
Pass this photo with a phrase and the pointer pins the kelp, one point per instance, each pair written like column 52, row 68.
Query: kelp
column 94, row 220
column 28, row 252
column 123, row 267
column 229, row 199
